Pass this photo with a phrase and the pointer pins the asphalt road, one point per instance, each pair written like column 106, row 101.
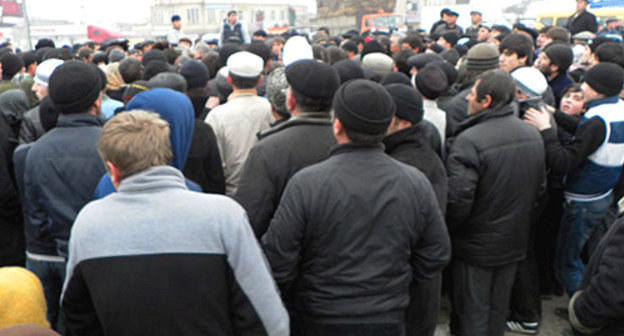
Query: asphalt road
column 552, row 325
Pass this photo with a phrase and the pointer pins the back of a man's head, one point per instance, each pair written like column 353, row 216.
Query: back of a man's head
column 168, row 80
column 313, row 85
column 74, row 87
column 131, row 70
column 135, row 141
column 518, row 43
column 558, row 34
column 497, row 84
column 610, row 52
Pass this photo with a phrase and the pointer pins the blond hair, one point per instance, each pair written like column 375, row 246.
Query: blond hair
column 134, row 141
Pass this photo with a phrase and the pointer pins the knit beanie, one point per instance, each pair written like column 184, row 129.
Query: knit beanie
column 11, row 65
column 451, row 56
column 364, row 106
column 116, row 55
column 196, row 74
column 483, row 56
column 560, row 55
column 45, row 70
column 22, row 298
column 605, row 78
column 348, row 70
column 276, row 90
column 431, row 82
column 409, row 103
column 396, row 78
column 419, row 61
column 449, row 70
column 372, row 47
column 74, row 87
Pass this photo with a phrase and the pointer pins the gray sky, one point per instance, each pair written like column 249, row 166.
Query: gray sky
column 100, row 12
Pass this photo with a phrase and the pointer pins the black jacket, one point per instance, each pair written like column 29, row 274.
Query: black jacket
column 203, row 164
column 351, row 233
column 456, row 111
column 410, row 147
column 600, row 304
column 496, row 170
column 11, row 227
column 62, row 170
column 585, row 21
column 283, row 150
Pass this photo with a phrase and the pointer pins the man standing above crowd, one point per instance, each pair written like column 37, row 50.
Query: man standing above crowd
column 233, row 28
column 496, row 171
column 476, row 19
column 175, row 33
column 582, row 20
column 341, row 221
column 450, row 25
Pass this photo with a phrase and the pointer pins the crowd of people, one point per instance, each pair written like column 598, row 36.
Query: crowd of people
column 324, row 185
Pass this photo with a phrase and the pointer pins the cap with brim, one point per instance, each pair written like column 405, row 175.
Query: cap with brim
column 584, row 35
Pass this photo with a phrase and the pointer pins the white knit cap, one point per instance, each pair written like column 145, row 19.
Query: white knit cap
column 296, row 49
column 45, row 70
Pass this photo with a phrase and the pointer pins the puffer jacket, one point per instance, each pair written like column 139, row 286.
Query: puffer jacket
column 496, row 170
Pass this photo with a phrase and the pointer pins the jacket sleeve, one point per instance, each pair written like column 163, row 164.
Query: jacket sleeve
column 257, row 192
column 462, row 167
column 9, row 197
column 284, row 238
column 27, row 132
column 214, row 124
column 602, row 301
column 432, row 250
column 36, row 217
column 78, row 309
column 256, row 306
column 564, row 158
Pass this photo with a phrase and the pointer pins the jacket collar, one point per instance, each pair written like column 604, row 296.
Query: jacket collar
column 488, row 114
column 350, row 148
column 602, row 101
column 303, row 118
column 151, row 179
column 79, row 119
column 408, row 135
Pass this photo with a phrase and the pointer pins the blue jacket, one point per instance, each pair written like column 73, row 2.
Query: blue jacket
column 62, row 169
column 177, row 110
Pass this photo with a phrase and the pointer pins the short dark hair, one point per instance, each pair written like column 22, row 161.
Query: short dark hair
column 131, row 70
column 413, row 40
column 60, row 53
column 232, row 12
column 350, row 46
column 572, row 88
column 211, row 61
column 364, row 139
column 311, row 104
column 85, row 52
column 400, row 60
column 98, row 57
column 497, row 84
column 520, row 44
column 558, row 34
column 611, row 52
column 260, row 49
column 169, row 80
column 244, row 82
column 153, row 68
column 45, row 42
column 175, row 18
column 320, row 53
column 502, row 29
column 335, row 54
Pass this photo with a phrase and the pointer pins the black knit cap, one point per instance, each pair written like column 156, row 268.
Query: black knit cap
column 451, row 37
column 396, row 78
column 11, row 65
column 372, row 46
column 449, row 70
column 154, row 55
column 364, row 106
column 348, row 70
column 196, row 74
column 419, row 61
column 605, row 78
column 409, row 103
column 74, row 87
column 312, row 79
column 560, row 55
column 431, row 81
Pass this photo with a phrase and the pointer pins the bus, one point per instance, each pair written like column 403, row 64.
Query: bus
column 382, row 21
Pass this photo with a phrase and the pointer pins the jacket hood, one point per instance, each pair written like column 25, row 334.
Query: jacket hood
column 177, row 110
column 13, row 105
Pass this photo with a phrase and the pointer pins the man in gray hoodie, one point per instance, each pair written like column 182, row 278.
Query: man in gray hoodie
column 156, row 258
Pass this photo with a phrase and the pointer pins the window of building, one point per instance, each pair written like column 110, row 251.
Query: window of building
column 272, row 15
column 211, row 16
column 192, row 15
column 282, row 15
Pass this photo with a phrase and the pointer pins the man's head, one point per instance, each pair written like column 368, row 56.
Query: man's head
column 603, row 80
column 409, row 107
column 530, row 83
column 259, row 35
column 556, row 34
column 483, row 34
column 75, row 87
column 350, row 48
column 581, row 5
column 448, row 39
column 11, row 65
column 245, row 70
column 132, row 142
column 492, row 90
column 400, row 61
column 554, row 60
column 515, row 51
column 412, row 42
column 31, row 60
column 476, row 18
column 176, row 22
column 312, row 86
column 232, row 16
column 431, row 81
column 609, row 52
column 573, row 101
column 42, row 77
column 131, row 70
column 482, row 57
column 277, row 86
column 451, row 18
column 363, row 110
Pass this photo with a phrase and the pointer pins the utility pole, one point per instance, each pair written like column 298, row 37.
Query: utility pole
column 27, row 22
